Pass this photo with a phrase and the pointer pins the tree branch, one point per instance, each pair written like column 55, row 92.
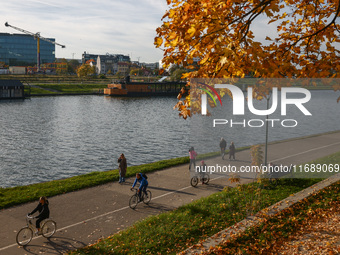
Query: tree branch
column 315, row 33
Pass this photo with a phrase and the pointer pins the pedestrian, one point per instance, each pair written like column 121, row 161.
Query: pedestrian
column 122, row 168
column 232, row 151
column 223, row 145
column 44, row 212
column 192, row 156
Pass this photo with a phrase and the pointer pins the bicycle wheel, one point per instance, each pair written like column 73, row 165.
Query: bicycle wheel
column 147, row 197
column 49, row 228
column 24, row 236
column 133, row 201
column 206, row 179
column 194, row 181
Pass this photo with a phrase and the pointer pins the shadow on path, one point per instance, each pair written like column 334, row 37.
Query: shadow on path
column 54, row 245
column 171, row 190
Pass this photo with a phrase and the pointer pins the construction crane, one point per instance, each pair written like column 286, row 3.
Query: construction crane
column 37, row 37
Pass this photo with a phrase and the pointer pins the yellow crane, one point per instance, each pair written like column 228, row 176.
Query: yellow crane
column 37, row 37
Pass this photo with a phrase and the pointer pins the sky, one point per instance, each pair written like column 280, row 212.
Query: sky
column 98, row 27
column 125, row 27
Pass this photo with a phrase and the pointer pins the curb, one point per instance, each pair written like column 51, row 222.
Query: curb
column 253, row 221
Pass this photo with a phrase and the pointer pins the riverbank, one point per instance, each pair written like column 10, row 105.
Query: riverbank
column 66, row 89
column 75, row 86
column 13, row 196
column 87, row 215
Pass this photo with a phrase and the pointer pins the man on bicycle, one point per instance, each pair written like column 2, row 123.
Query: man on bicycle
column 142, row 186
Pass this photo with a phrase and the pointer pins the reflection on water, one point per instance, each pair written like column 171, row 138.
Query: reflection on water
column 56, row 137
column 51, row 138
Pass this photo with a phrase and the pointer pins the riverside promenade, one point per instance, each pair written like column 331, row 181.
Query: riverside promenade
column 87, row 215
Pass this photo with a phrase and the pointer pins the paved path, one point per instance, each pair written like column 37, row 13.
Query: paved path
column 87, row 215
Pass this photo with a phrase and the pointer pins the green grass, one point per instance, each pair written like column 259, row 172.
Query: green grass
column 314, row 168
column 172, row 232
column 68, row 88
column 14, row 196
column 38, row 91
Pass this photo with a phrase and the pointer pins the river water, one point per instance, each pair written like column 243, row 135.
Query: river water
column 48, row 138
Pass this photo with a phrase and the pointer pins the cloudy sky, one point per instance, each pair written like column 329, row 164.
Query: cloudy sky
column 107, row 26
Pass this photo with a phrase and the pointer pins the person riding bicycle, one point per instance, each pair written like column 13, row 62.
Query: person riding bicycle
column 203, row 170
column 44, row 212
column 142, row 186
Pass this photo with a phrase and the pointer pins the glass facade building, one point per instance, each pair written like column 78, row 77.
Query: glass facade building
column 21, row 50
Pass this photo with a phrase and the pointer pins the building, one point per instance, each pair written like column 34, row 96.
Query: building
column 21, row 50
column 86, row 57
column 112, row 64
column 17, row 70
column 151, row 66
column 123, row 68
column 106, row 64
column 11, row 89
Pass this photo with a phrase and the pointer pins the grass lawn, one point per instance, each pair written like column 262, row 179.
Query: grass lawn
column 68, row 88
column 172, row 232
column 38, row 91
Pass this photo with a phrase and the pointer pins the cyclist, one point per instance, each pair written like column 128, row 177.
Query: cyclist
column 203, row 170
column 142, row 186
column 44, row 212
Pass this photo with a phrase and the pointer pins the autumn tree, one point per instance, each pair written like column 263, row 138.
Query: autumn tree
column 220, row 33
column 176, row 72
column 136, row 72
column 72, row 66
column 2, row 64
column 85, row 69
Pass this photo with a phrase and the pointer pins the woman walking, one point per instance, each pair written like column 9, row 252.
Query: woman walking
column 192, row 156
column 122, row 168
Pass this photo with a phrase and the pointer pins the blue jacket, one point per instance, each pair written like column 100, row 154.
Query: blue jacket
column 143, row 182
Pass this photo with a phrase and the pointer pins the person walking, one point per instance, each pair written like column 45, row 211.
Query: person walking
column 232, row 151
column 223, row 145
column 122, row 168
column 192, row 156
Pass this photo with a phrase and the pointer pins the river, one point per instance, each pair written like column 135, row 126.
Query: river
column 48, row 138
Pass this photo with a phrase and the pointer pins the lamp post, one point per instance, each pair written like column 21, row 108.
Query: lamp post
column 266, row 145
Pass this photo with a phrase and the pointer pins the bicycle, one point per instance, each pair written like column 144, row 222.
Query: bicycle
column 25, row 235
column 202, row 178
column 135, row 199
column 273, row 177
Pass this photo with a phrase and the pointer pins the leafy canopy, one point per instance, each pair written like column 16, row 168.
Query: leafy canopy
column 219, row 33
column 85, row 69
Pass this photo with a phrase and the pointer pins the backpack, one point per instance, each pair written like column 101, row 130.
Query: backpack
column 144, row 176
